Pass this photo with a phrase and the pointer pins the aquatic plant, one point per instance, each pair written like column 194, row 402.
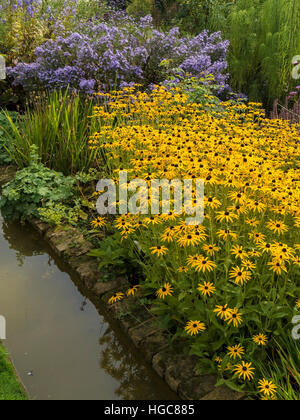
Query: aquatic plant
column 58, row 124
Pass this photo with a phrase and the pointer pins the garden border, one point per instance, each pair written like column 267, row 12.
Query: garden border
column 168, row 360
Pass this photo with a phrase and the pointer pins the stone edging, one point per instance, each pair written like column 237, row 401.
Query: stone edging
column 169, row 361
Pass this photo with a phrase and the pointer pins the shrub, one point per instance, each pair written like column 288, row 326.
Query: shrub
column 26, row 24
column 117, row 53
column 32, row 188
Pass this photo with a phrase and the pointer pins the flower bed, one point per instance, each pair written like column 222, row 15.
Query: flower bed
column 228, row 286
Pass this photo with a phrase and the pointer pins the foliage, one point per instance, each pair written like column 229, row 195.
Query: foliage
column 58, row 214
column 5, row 158
column 34, row 187
column 263, row 35
column 226, row 281
column 59, row 126
column 202, row 90
column 282, row 366
column 20, row 30
column 117, row 258
column 10, row 387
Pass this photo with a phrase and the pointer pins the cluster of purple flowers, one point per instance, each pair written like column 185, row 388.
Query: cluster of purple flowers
column 119, row 52
column 30, row 7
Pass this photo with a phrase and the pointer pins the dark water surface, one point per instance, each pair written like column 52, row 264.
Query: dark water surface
column 62, row 346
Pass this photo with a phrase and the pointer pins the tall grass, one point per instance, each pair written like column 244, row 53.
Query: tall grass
column 59, row 125
column 283, row 367
column 264, row 38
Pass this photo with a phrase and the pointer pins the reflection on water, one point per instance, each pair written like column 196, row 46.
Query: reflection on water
column 23, row 247
column 62, row 346
column 133, row 378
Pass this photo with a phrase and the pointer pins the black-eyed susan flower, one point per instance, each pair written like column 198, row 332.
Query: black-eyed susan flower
column 126, row 232
column 159, row 250
column 283, row 252
column 212, row 202
column 257, row 237
column 252, row 222
column 265, row 398
column 190, row 239
column 242, row 161
column 164, row 291
column 206, row 288
column 277, row 266
column 240, row 275
column 277, row 227
column 238, row 209
column 167, row 237
column 132, row 291
column 236, row 351
column 257, row 206
column 254, row 253
column 234, row 317
column 226, row 216
column 183, row 269
column 296, row 260
column 99, row 222
column 222, row 311
column 266, row 387
column 123, row 223
column 204, row 264
column 226, row 234
column 244, row 370
column 237, row 196
column 239, row 252
column 116, row 297
column 194, row 327
column 265, row 247
column 153, row 220
column 260, row 339
column 211, row 249
column 192, row 259
column 249, row 265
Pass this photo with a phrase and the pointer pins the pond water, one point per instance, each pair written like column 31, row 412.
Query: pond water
column 62, row 346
